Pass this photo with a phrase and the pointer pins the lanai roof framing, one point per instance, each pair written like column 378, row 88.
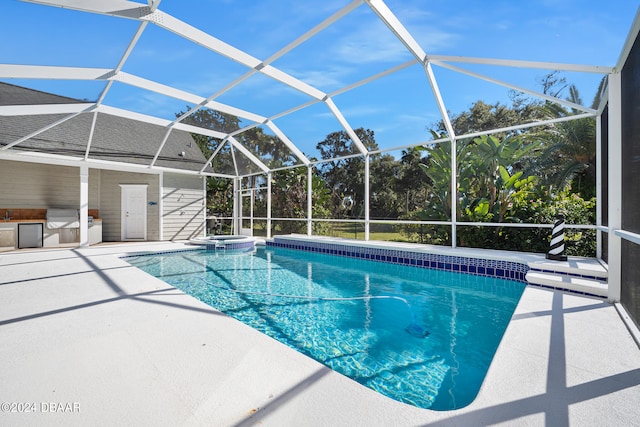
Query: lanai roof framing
column 150, row 13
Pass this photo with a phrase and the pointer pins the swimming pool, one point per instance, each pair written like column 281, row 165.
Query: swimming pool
column 420, row 336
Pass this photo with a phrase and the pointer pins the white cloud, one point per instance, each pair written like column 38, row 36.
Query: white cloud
column 327, row 79
column 368, row 40
column 206, row 84
column 164, row 56
column 364, row 110
column 426, row 28
column 371, row 42
column 155, row 105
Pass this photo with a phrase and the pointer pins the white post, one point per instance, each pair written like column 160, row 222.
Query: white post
column 615, row 186
column 269, row 178
column 309, row 200
column 237, row 206
column 253, row 200
column 161, row 205
column 454, row 192
column 454, row 150
column 367, row 161
column 204, row 206
column 84, row 205
column 598, row 186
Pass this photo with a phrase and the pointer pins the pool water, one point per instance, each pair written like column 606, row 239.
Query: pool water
column 423, row 337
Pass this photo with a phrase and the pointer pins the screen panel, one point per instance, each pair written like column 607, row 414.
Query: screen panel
column 630, row 257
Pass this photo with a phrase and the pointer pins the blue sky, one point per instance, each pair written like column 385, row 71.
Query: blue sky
column 399, row 108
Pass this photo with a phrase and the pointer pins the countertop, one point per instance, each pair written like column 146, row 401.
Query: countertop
column 35, row 220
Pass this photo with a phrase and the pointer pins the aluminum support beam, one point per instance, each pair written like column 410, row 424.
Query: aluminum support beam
column 78, row 73
column 390, row 20
column 615, row 187
column 345, row 125
column 599, row 186
column 290, row 145
column 515, row 87
column 234, row 142
column 367, row 194
column 235, row 163
column 309, row 200
column 44, row 129
column 123, row 59
column 33, row 110
column 217, row 150
column 90, row 140
column 454, row 150
column 46, row 72
column 269, row 179
column 237, row 200
column 596, row 69
column 84, row 205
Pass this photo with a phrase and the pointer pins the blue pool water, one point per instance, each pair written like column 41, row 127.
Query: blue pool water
column 419, row 336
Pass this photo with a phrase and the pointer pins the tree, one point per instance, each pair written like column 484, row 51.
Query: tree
column 212, row 120
column 384, row 173
column 219, row 190
column 484, row 117
column 345, row 177
column 289, row 198
column 570, row 158
column 412, row 184
column 227, row 160
column 437, row 166
column 496, row 158
column 485, row 169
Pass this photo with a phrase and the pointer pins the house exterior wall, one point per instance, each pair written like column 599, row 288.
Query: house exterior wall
column 111, row 205
column 183, row 204
column 27, row 185
column 41, row 186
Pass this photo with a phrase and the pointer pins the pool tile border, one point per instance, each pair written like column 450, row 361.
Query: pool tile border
column 245, row 246
column 571, row 291
column 231, row 246
column 136, row 255
column 480, row 267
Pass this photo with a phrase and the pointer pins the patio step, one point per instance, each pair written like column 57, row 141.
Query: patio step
column 582, row 275
column 569, row 283
column 587, row 268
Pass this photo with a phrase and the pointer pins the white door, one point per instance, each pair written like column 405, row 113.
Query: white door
column 134, row 212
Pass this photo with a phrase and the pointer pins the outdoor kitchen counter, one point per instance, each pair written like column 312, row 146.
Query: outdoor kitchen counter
column 37, row 220
column 23, row 220
column 51, row 238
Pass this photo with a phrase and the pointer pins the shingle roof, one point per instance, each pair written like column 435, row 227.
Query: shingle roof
column 115, row 138
column 18, row 95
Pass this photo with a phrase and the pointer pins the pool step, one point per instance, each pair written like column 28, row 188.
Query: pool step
column 579, row 275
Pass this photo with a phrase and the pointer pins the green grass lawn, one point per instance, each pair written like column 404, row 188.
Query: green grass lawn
column 346, row 231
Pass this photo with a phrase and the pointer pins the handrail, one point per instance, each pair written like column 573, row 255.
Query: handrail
column 412, row 222
column 628, row 235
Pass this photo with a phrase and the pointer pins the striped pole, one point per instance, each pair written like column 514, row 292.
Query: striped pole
column 557, row 241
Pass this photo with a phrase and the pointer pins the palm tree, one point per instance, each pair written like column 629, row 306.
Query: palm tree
column 570, row 157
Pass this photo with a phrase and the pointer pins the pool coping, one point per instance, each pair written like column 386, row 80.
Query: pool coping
column 480, row 262
column 498, row 268
column 102, row 332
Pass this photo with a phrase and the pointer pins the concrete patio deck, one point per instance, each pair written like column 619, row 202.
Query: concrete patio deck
column 87, row 339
